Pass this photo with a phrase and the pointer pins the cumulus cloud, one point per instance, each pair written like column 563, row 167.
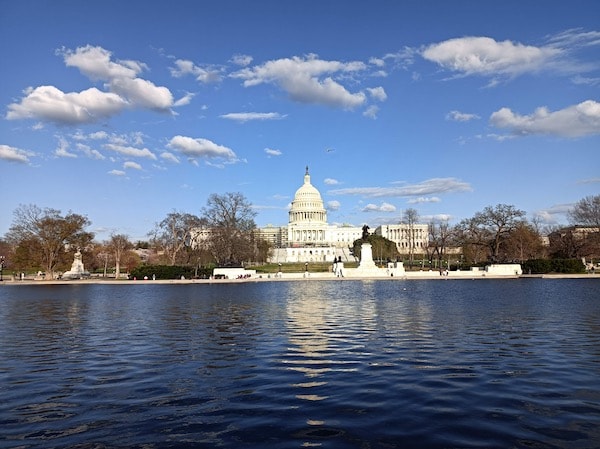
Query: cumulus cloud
column 89, row 152
column 272, row 152
column 383, row 207
column 371, row 112
column 248, row 116
column 63, row 149
column 574, row 121
column 333, row 205
column 207, row 74
column 124, row 90
column 116, row 173
column 331, row 182
column 488, row 57
column 142, row 93
column 130, row 151
column 307, row 80
column 241, row 60
column 458, row 116
column 52, row 104
column 427, row 187
column 167, row 156
column 96, row 64
column 201, row 148
column 132, row 165
column 377, row 93
column 13, row 154
column 554, row 214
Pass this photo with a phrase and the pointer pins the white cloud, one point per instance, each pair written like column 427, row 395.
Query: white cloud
column 422, row 199
column 272, row 152
column 125, row 90
column 371, row 112
column 130, row 151
column 169, row 157
column 488, row 57
column 200, row 147
column 142, row 93
column 12, row 154
column 307, row 80
column 554, row 214
column 377, row 93
column 132, row 165
column 427, row 187
column 89, row 152
column 458, row 116
column 116, row 173
column 63, row 149
column 241, row 60
column 51, row 104
column 96, row 64
column 248, row 116
column 208, row 74
column 333, row 205
column 185, row 100
column 383, row 207
column 331, row 181
column 574, row 121
column 589, row 181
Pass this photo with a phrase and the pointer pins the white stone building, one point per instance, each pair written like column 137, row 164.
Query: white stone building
column 309, row 238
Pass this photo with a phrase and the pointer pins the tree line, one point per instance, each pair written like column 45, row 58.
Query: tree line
column 43, row 239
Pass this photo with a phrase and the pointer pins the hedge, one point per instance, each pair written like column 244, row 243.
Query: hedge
column 169, row 272
column 543, row 266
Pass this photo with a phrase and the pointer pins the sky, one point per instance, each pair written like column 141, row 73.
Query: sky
column 126, row 111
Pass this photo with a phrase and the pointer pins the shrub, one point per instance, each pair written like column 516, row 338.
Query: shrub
column 544, row 266
column 168, row 272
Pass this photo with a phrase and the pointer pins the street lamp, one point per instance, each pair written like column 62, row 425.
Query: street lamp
column 1, row 267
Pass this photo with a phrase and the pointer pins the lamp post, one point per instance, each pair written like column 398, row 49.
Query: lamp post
column 1, row 267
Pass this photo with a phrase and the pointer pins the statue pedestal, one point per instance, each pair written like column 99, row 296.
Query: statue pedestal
column 366, row 257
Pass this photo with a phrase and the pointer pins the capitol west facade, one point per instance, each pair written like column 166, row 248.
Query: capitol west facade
column 309, row 238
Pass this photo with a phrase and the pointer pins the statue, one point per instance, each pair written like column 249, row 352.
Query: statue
column 77, row 270
column 365, row 234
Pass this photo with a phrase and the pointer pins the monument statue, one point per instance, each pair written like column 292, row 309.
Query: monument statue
column 365, row 233
column 77, row 270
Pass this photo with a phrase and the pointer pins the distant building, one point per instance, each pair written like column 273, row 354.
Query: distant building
column 309, row 238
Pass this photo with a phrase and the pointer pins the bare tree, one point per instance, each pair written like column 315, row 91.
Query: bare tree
column 490, row 227
column 230, row 218
column 440, row 235
column 411, row 218
column 174, row 233
column 586, row 212
column 49, row 232
column 118, row 244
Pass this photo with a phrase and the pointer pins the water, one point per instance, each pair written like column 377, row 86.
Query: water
column 340, row 364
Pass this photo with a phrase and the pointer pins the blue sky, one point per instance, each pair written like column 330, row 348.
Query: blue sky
column 125, row 111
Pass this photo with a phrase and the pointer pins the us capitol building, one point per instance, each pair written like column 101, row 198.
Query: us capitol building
column 309, row 238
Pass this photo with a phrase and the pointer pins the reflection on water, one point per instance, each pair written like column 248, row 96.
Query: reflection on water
column 380, row 364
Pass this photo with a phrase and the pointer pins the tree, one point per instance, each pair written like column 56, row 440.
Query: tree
column 490, row 227
column 440, row 235
column 49, row 233
column 524, row 243
column 411, row 217
column 174, row 233
column 230, row 218
column 118, row 245
column 586, row 212
column 382, row 248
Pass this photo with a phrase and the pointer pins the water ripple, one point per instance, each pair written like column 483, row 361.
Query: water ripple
column 373, row 364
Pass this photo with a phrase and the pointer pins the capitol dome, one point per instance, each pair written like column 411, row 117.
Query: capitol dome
column 307, row 206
